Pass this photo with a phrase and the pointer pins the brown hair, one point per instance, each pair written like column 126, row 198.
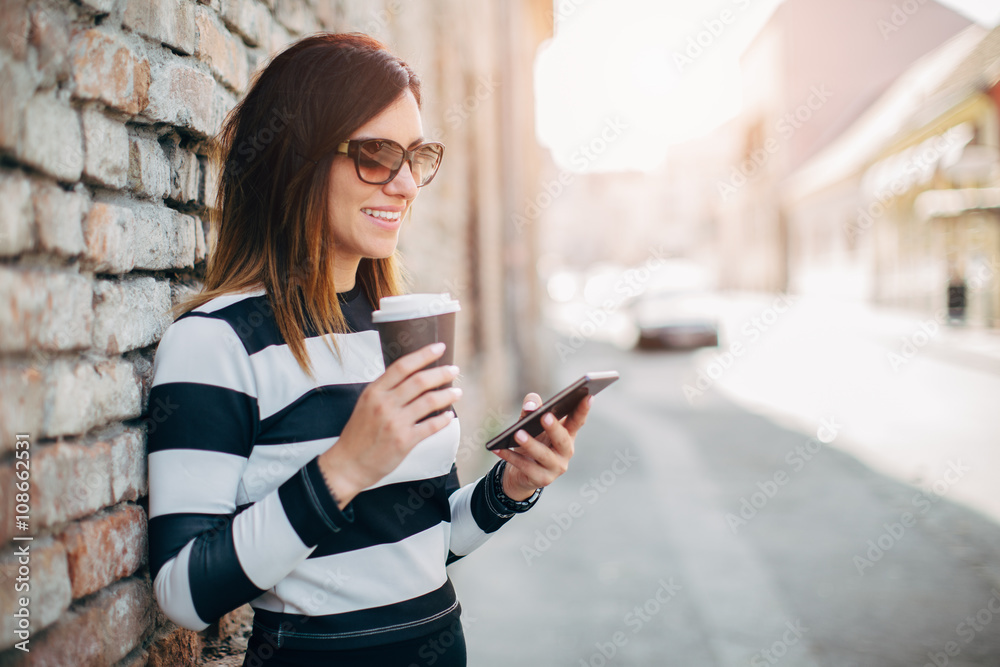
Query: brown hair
column 271, row 216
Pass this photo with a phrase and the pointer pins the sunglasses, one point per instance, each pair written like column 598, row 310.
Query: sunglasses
column 377, row 161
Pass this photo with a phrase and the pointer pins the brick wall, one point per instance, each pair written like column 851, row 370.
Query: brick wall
column 106, row 109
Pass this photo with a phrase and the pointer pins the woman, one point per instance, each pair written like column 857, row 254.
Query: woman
column 289, row 470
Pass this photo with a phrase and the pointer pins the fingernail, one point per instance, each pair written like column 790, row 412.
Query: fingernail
column 590, row 401
column 453, row 370
column 548, row 419
column 457, row 391
column 521, row 436
column 529, row 405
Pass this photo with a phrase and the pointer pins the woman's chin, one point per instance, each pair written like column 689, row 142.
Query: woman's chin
column 381, row 250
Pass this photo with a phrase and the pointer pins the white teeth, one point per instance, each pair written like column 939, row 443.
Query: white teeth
column 385, row 215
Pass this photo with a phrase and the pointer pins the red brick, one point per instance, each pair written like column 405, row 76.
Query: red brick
column 170, row 22
column 148, row 169
column 164, row 238
column 22, row 409
column 178, row 648
column 87, row 394
column 249, row 18
column 50, row 37
column 52, row 140
column 200, row 242
column 106, row 144
column 44, row 310
column 18, row 85
column 105, row 68
column 108, row 233
column 223, row 53
column 185, row 173
column 69, row 481
column 128, row 466
column 17, row 230
column 130, row 314
column 59, row 219
column 145, row 236
column 182, row 95
column 100, row 632
column 14, row 26
column 7, row 491
column 105, row 548
column 48, row 587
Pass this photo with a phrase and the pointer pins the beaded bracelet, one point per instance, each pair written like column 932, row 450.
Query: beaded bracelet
column 494, row 489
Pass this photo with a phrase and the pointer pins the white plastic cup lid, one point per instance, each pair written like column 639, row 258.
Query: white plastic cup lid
column 411, row 306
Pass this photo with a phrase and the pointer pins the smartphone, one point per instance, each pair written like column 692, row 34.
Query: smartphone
column 559, row 405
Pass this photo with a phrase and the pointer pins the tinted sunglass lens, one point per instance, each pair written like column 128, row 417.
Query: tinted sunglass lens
column 425, row 164
column 379, row 160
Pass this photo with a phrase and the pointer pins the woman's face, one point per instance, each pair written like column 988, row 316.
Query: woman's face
column 366, row 218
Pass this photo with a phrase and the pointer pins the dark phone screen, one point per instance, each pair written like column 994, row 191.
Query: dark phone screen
column 559, row 405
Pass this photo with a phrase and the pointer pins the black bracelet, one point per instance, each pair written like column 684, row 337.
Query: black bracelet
column 495, row 485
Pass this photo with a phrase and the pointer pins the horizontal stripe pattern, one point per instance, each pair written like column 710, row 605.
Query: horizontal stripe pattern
column 193, row 481
column 240, row 511
column 377, row 576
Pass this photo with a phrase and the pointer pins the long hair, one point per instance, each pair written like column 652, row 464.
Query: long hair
column 272, row 207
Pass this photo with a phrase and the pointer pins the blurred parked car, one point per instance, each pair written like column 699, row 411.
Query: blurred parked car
column 676, row 320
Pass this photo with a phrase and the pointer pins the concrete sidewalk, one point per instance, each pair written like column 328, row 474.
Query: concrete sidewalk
column 662, row 563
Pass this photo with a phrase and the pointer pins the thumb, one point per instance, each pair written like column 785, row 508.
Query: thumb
column 530, row 403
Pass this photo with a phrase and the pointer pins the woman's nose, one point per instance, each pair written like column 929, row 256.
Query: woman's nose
column 403, row 185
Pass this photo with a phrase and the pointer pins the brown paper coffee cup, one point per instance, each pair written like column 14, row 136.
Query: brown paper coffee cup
column 409, row 322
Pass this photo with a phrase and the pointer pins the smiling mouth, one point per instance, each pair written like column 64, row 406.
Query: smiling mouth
column 382, row 215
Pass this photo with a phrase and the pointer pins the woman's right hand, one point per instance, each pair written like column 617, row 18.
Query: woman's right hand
column 383, row 428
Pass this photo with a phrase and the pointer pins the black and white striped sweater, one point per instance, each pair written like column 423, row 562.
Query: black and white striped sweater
column 238, row 509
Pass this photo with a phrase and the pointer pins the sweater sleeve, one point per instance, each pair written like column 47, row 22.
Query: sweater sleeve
column 207, row 556
column 475, row 515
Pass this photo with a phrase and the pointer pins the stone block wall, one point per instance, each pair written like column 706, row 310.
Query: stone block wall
column 106, row 112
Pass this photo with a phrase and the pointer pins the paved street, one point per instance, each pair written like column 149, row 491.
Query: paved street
column 814, row 505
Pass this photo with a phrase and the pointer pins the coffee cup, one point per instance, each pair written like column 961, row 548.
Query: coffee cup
column 409, row 322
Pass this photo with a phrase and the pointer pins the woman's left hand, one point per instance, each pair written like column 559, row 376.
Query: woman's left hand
column 537, row 462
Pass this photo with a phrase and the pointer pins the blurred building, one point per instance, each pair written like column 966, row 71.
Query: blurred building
column 903, row 207
column 810, row 72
